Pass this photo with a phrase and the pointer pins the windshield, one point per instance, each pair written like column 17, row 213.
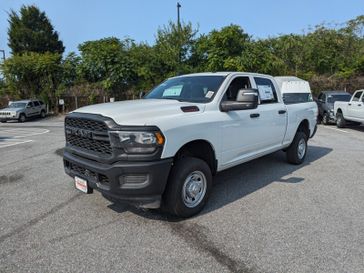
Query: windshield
column 188, row 88
column 343, row 97
column 17, row 105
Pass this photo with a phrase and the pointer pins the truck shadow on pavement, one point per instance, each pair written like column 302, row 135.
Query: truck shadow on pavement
column 240, row 181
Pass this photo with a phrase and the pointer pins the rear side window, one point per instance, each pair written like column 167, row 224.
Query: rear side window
column 292, row 98
column 36, row 103
column 357, row 96
column 267, row 92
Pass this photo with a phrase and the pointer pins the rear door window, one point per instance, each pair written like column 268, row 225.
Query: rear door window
column 267, row 91
column 36, row 103
column 30, row 104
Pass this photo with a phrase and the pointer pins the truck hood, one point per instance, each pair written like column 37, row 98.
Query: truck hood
column 141, row 112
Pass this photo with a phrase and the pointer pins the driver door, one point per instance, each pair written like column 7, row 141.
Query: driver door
column 241, row 129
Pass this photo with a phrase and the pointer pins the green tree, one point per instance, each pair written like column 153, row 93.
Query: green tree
column 146, row 65
column 173, row 47
column 32, row 31
column 220, row 50
column 32, row 75
column 106, row 61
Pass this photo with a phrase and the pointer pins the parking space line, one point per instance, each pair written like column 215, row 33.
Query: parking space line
column 20, row 133
column 8, row 143
column 336, row 129
column 11, row 136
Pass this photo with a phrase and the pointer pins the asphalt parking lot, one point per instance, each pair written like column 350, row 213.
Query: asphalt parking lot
column 263, row 216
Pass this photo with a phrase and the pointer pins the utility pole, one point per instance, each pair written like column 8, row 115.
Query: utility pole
column 179, row 37
column 3, row 51
column 178, row 17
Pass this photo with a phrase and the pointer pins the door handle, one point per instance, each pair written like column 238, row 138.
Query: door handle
column 359, row 104
column 281, row 112
column 256, row 115
column 349, row 103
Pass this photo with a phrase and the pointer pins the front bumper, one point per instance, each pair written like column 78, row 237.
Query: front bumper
column 6, row 118
column 139, row 183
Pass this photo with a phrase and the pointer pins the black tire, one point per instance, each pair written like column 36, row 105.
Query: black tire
column 22, row 118
column 173, row 200
column 42, row 114
column 340, row 121
column 294, row 152
column 325, row 119
column 3, row 121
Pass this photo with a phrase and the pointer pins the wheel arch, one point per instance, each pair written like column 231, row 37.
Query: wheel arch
column 199, row 148
column 304, row 126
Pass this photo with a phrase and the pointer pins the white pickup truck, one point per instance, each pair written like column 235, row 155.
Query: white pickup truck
column 352, row 111
column 163, row 150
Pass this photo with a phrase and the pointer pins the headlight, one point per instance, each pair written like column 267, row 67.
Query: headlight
column 137, row 142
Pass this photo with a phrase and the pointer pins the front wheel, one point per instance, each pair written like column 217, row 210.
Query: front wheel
column 22, row 118
column 188, row 188
column 325, row 119
column 296, row 152
column 340, row 121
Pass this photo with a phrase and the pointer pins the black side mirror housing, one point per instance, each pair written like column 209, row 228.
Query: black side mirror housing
column 245, row 100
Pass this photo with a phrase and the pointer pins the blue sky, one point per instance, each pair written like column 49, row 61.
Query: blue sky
column 78, row 21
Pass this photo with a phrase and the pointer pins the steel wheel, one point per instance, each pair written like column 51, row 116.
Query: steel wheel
column 194, row 189
column 301, row 150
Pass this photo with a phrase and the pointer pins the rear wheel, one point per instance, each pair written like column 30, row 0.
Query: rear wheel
column 340, row 121
column 22, row 118
column 3, row 121
column 188, row 188
column 42, row 114
column 296, row 152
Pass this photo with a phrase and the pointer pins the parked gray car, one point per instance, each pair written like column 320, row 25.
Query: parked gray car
column 23, row 109
column 325, row 103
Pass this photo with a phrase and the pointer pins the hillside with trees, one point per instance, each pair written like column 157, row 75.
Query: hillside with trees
column 329, row 57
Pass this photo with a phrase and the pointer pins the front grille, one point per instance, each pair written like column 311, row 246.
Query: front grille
column 87, row 124
column 5, row 113
column 97, row 146
column 88, row 135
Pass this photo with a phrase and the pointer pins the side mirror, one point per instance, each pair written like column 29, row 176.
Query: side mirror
column 141, row 94
column 245, row 100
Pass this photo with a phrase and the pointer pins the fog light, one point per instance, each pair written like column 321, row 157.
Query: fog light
column 132, row 181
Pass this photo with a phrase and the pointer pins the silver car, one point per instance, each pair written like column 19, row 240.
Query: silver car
column 23, row 109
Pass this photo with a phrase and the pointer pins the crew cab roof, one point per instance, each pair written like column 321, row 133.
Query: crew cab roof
column 225, row 74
